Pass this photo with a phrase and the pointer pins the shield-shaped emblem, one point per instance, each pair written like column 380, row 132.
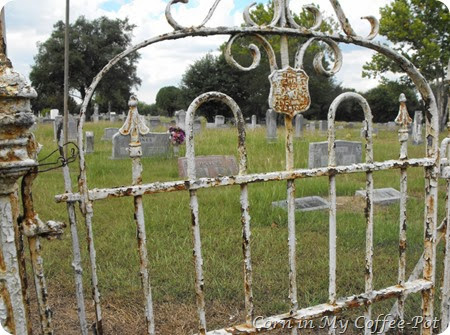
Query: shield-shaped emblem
column 289, row 92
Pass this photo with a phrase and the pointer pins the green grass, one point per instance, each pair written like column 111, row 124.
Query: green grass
column 169, row 236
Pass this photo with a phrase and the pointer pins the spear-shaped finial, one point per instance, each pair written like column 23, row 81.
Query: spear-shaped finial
column 403, row 117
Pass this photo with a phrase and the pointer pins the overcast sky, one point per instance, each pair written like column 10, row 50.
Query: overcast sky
column 30, row 21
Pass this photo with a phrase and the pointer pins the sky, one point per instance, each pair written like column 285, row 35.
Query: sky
column 29, row 22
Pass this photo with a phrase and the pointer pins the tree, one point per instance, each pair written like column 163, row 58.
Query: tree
column 420, row 31
column 92, row 45
column 383, row 100
column 168, row 99
column 251, row 89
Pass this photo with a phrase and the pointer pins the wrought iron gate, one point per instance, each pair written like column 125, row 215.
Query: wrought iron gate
column 289, row 95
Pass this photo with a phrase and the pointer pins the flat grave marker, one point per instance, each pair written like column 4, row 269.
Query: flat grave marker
column 305, row 204
column 382, row 196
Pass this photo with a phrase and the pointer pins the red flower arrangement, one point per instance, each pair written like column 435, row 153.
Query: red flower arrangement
column 177, row 135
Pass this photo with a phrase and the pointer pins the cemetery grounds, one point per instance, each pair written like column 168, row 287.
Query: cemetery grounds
column 170, row 244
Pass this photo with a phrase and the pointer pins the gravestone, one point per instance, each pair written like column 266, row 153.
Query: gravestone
column 95, row 115
column 363, row 132
column 417, row 128
column 153, row 144
column 312, row 126
column 219, row 121
column 89, row 144
column 180, row 119
column 71, row 126
column 253, row 122
column 108, row 133
column 210, row 166
column 53, row 113
column 197, row 126
column 382, row 196
column 271, row 125
column 347, row 153
column 323, row 125
column 154, row 122
column 391, row 125
column 305, row 204
column 299, row 122
column 112, row 117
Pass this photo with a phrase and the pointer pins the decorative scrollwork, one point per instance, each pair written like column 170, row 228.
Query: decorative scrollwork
column 375, row 26
column 313, row 10
column 277, row 10
column 256, row 54
column 346, row 26
column 178, row 26
column 318, row 58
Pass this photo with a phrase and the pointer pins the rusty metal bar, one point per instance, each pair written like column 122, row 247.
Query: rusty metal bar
column 445, row 297
column 403, row 119
column 261, row 325
column 76, row 251
column 369, row 198
column 30, row 219
column 134, row 127
column 245, row 218
column 201, row 183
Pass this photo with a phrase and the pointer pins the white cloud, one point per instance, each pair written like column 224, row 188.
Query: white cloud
column 30, row 21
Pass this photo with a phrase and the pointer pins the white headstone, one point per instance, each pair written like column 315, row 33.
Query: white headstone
column 95, row 115
column 417, row 128
column 53, row 113
column 180, row 119
column 323, row 125
column 253, row 121
column 112, row 117
column 271, row 125
column 219, row 121
column 89, row 142
column 299, row 123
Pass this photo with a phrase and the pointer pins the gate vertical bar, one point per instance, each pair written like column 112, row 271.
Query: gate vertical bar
column 445, row 303
column 76, row 252
column 332, row 220
column 403, row 119
column 134, row 126
column 292, row 241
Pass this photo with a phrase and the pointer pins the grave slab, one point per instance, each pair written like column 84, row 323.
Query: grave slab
column 382, row 196
column 305, row 204
column 210, row 166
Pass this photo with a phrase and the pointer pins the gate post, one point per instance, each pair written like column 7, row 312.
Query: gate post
column 17, row 156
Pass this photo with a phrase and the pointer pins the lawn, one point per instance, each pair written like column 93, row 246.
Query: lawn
column 170, row 244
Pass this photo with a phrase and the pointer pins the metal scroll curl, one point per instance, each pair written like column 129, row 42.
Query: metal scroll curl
column 254, row 50
column 318, row 58
column 318, row 18
column 277, row 10
column 178, row 26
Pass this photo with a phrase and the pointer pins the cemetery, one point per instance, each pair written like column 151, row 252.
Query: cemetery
column 200, row 215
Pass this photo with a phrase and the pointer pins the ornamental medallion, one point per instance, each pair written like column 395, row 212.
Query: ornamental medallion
column 289, row 92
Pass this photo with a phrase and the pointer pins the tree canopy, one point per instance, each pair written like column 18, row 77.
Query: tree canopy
column 419, row 30
column 169, row 99
column 92, row 45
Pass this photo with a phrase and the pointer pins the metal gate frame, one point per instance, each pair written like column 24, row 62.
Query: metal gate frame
column 284, row 25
